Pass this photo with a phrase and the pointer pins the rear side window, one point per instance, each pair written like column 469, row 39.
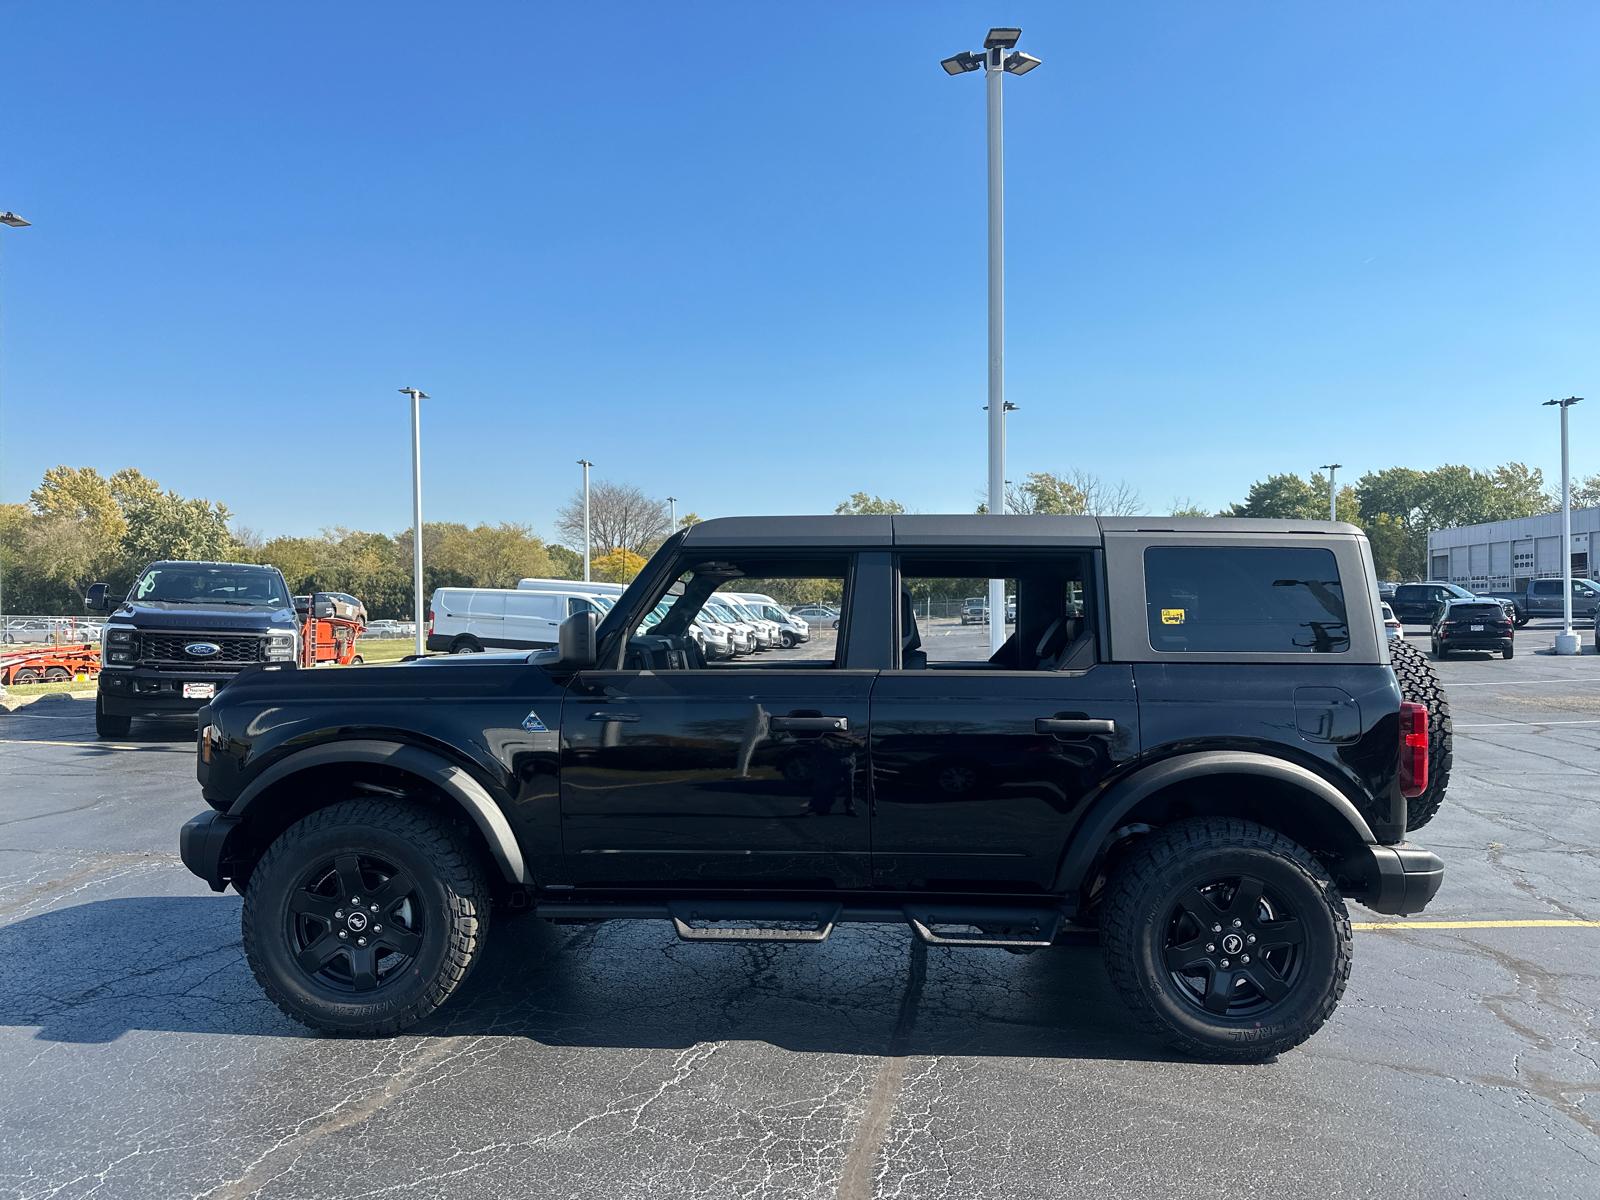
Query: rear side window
column 1244, row 600
column 1411, row 594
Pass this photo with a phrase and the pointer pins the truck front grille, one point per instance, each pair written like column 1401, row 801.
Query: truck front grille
column 165, row 651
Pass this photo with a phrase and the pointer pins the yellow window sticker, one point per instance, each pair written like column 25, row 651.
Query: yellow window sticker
column 1172, row 616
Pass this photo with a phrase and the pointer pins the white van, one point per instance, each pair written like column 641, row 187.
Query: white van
column 792, row 629
column 472, row 620
column 592, row 588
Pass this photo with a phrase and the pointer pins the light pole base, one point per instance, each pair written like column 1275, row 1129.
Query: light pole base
column 1567, row 643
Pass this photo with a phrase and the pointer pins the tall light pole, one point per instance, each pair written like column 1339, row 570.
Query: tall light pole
column 1333, row 492
column 1566, row 640
column 416, row 515
column 585, row 464
column 997, row 58
column 15, row 222
column 673, row 527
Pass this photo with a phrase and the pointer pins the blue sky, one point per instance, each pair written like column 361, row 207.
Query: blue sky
column 735, row 252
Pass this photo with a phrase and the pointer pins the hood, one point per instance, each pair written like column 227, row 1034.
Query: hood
column 164, row 615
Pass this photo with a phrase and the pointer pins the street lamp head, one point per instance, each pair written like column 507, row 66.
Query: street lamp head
column 962, row 63
column 1019, row 63
column 11, row 219
column 584, row 462
column 1002, row 39
column 1567, row 403
column 414, row 393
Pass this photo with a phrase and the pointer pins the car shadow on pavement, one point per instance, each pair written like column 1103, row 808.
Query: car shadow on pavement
column 92, row 972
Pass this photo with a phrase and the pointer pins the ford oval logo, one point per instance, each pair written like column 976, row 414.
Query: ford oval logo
column 202, row 649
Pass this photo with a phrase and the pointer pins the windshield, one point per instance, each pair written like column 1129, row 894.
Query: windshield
column 195, row 583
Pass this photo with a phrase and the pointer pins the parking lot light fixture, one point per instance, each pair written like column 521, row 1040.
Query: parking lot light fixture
column 673, row 518
column 994, row 59
column 418, row 613
column 1333, row 492
column 585, row 464
column 16, row 222
column 1566, row 640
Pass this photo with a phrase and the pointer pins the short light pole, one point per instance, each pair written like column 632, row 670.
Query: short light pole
column 1333, row 492
column 673, row 502
column 997, row 58
column 416, row 515
column 1566, row 640
column 15, row 222
column 585, row 464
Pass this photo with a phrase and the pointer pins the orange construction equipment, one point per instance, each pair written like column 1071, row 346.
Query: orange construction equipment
column 50, row 664
column 329, row 640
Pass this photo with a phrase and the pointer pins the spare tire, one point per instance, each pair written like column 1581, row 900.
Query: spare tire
column 1419, row 684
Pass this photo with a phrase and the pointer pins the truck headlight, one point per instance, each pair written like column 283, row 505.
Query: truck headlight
column 280, row 647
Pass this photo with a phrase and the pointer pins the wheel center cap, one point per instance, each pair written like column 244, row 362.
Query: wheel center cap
column 1232, row 944
column 358, row 921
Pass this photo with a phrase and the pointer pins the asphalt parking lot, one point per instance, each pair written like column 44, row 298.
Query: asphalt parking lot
column 141, row 1060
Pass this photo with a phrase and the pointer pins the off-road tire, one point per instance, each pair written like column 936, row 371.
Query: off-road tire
column 108, row 726
column 1419, row 684
column 449, row 888
column 1142, row 899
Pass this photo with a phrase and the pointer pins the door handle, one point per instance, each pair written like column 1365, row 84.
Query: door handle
column 613, row 716
column 809, row 724
column 1072, row 725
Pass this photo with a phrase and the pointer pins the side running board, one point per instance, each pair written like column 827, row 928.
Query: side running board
column 821, row 918
column 1003, row 928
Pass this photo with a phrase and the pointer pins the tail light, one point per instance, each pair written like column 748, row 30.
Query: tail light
column 1413, row 749
column 430, row 622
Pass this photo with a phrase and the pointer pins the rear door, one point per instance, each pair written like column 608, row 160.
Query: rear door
column 982, row 768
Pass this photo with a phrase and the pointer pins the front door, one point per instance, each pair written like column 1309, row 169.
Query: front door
column 716, row 778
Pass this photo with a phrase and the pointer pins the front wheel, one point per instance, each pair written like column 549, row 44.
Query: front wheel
column 365, row 917
column 788, row 641
column 1226, row 939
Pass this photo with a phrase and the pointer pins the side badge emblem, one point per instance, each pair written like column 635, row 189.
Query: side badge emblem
column 532, row 723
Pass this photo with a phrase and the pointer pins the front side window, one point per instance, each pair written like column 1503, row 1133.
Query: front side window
column 1244, row 600
column 709, row 594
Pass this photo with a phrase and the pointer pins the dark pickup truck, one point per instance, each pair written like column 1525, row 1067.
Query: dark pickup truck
column 182, row 632
column 1543, row 598
column 1192, row 746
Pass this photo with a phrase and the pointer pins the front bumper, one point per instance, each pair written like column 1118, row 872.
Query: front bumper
column 203, row 844
column 145, row 693
column 1398, row 880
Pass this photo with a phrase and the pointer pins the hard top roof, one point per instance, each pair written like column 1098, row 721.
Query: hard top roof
column 974, row 529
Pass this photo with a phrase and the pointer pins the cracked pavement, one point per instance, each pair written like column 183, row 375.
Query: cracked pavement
column 141, row 1060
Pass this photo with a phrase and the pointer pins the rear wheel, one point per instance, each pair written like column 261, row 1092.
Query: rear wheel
column 25, row 675
column 365, row 917
column 106, row 725
column 1508, row 652
column 466, row 645
column 1419, row 684
column 57, row 675
column 1226, row 939
column 356, row 661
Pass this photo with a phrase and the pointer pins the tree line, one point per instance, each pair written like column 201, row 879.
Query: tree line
column 79, row 527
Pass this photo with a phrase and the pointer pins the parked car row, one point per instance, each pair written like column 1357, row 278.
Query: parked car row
column 51, row 629
column 976, row 610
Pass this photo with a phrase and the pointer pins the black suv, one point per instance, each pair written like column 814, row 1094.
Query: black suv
column 1192, row 746
column 183, row 631
column 1474, row 625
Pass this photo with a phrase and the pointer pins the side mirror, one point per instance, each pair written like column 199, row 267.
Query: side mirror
column 576, row 642
column 322, row 609
column 96, row 598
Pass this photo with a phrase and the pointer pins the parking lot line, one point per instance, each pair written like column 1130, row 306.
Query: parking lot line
column 1477, row 925
column 26, row 742
column 1504, row 724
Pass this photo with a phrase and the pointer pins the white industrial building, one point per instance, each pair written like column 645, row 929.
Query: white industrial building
column 1495, row 555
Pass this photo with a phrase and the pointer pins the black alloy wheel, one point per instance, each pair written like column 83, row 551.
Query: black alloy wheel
column 1226, row 939
column 365, row 917
column 354, row 922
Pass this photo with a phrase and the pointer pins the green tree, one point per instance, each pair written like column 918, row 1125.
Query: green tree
column 167, row 526
column 862, row 505
column 1284, row 496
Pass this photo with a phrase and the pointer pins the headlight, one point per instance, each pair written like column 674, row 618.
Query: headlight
column 280, row 647
column 116, row 645
column 119, row 635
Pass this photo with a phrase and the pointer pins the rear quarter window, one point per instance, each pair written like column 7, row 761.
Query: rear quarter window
column 1245, row 600
column 1411, row 595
